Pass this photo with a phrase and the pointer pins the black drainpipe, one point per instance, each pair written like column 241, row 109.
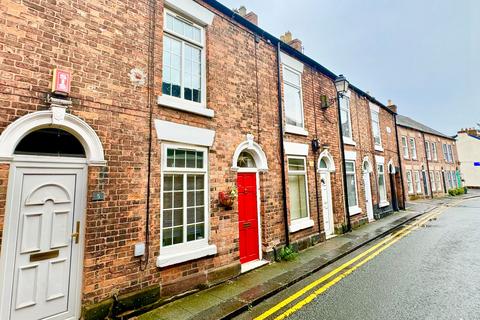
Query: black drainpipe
column 400, row 164
column 344, row 165
column 282, row 149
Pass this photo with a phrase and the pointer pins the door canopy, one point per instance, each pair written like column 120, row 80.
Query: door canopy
column 17, row 130
column 254, row 150
column 325, row 162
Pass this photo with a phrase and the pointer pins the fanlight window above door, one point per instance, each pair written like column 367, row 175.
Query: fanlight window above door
column 245, row 160
column 50, row 142
column 323, row 164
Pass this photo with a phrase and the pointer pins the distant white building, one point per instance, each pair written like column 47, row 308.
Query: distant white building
column 468, row 147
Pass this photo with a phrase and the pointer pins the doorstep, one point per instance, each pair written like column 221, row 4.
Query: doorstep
column 237, row 295
column 251, row 265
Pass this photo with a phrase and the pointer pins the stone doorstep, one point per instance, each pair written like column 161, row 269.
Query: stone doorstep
column 242, row 301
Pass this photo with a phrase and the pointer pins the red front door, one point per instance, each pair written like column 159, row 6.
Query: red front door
column 247, row 216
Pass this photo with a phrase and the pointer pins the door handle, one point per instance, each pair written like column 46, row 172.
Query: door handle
column 76, row 235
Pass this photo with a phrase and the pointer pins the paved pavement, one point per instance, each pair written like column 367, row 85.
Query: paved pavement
column 431, row 273
column 239, row 295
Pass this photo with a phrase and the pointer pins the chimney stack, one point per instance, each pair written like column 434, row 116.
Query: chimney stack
column 250, row 16
column 294, row 43
column 392, row 106
column 470, row 131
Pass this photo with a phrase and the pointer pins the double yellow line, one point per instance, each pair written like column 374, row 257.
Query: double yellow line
column 368, row 255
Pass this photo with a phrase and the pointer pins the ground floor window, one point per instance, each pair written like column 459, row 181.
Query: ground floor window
column 351, row 184
column 432, row 181
column 382, row 189
column 418, row 183
column 184, row 195
column 297, row 188
column 410, row 182
column 439, row 181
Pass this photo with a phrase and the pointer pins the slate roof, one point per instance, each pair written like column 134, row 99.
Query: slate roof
column 412, row 124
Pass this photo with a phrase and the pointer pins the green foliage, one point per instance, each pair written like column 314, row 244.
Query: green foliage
column 456, row 191
column 287, row 254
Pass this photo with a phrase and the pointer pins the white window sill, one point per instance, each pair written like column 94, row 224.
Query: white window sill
column 349, row 141
column 185, row 105
column 354, row 210
column 383, row 204
column 378, row 148
column 300, row 224
column 164, row 260
column 295, row 130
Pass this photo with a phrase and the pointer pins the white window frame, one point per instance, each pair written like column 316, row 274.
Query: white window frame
column 180, row 103
column 376, row 130
column 185, row 251
column 290, row 128
column 383, row 200
column 413, row 148
column 418, row 182
column 428, row 150
column 450, row 153
column 445, row 152
column 410, row 182
column 439, row 180
column 434, row 151
column 355, row 209
column 306, row 222
column 432, row 181
column 347, row 139
column 406, row 150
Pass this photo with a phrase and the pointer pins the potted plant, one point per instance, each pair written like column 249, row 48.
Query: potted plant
column 227, row 198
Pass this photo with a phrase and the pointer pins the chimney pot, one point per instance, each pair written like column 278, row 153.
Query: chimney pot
column 242, row 11
column 294, row 43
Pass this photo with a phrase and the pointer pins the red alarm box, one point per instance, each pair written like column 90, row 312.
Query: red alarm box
column 62, row 81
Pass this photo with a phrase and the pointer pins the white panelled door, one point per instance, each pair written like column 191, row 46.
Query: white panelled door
column 327, row 204
column 368, row 196
column 46, row 210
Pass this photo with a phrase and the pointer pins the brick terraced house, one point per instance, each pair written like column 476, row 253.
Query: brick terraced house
column 178, row 146
column 429, row 160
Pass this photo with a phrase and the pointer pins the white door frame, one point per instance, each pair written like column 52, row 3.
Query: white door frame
column 366, row 170
column 7, row 255
column 329, row 199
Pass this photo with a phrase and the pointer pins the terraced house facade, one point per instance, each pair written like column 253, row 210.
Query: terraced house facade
column 429, row 160
column 178, row 146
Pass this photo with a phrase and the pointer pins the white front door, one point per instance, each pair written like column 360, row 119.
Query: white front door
column 368, row 196
column 43, row 249
column 328, row 222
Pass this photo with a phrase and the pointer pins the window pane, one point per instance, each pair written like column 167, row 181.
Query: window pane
column 200, row 217
column 200, row 182
column 190, row 198
column 167, row 237
column 350, row 166
column 177, row 235
column 180, row 158
column 298, row 197
column 167, row 182
column 190, row 215
column 292, row 77
column 167, row 200
column 200, row 231
column 178, row 182
column 200, row 160
column 293, row 106
column 199, row 198
column 167, row 218
column 191, row 233
column 345, row 118
column 351, row 189
column 323, row 164
column 296, row 164
column 245, row 160
column 178, row 199
column 191, row 159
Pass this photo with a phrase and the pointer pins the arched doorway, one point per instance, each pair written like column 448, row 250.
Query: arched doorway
column 325, row 167
column 42, row 248
column 367, row 168
column 248, row 161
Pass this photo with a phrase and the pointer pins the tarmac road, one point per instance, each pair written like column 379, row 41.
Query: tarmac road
column 431, row 273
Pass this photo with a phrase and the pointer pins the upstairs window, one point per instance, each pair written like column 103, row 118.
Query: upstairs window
column 183, row 59
column 345, row 117
column 445, row 152
column 450, row 153
column 292, row 84
column 405, row 147
column 413, row 148
column 427, row 148
column 434, row 151
column 376, row 128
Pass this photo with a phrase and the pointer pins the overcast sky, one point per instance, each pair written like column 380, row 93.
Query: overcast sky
column 421, row 54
